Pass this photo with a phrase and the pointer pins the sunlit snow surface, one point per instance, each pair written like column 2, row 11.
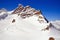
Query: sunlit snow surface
column 25, row 29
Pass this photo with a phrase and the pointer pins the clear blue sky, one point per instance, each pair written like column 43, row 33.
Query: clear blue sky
column 49, row 8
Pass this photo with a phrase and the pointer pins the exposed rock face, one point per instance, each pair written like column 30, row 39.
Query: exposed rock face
column 18, row 9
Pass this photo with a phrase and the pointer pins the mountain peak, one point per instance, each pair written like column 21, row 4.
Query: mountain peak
column 30, row 14
column 28, row 11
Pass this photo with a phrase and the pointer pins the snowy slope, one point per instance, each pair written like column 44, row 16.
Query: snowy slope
column 22, row 29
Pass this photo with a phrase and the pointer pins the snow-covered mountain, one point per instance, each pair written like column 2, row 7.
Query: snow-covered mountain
column 27, row 23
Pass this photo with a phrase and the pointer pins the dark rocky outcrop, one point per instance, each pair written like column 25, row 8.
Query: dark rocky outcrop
column 13, row 20
column 51, row 38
